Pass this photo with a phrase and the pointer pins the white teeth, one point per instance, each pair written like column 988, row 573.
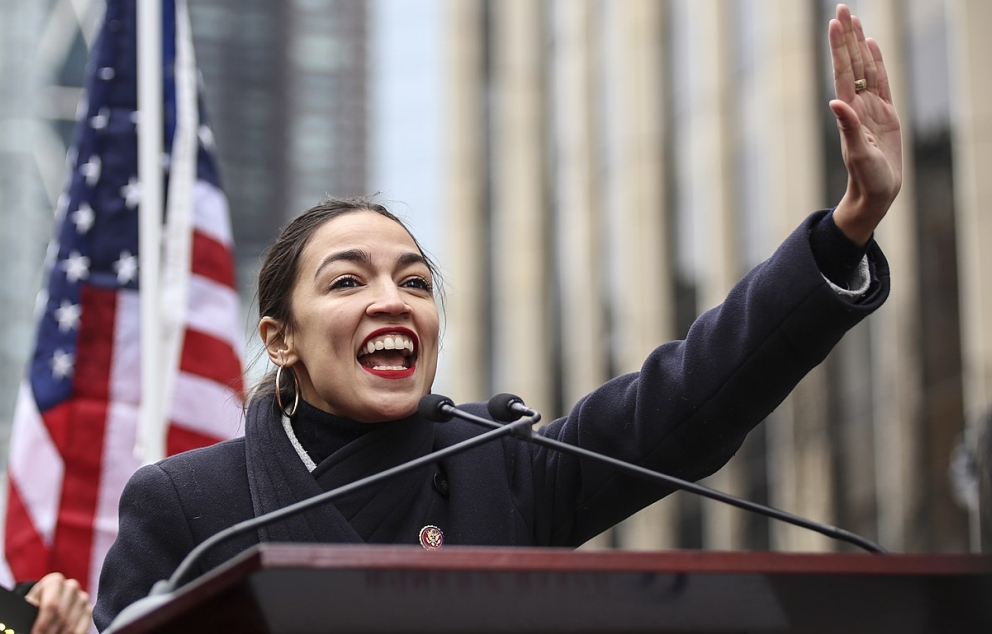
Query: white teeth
column 388, row 367
column 390, row 342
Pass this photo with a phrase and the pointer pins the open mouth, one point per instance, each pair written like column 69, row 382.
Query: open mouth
column 389, row 353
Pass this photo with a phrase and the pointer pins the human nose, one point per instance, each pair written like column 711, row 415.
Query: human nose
column 388, row 301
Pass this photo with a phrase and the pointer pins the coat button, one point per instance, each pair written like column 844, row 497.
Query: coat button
column 441, row 484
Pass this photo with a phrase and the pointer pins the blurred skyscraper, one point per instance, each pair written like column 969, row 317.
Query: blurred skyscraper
column 612, row 168
column 287, row 91
column 286, row 85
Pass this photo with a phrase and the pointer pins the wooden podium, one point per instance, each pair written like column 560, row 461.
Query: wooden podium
column 316, row 589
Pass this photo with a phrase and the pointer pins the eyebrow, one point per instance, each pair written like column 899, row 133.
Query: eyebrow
column 363, row 258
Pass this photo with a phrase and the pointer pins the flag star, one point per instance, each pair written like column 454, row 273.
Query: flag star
column 67, row 314
column 206, row 137
column 166, row 161
column 135, row 117
column 91, row 170
column 132, row 192
column 76, row 267
column 83, row 218
column 106, row 73
column 126, row 267
column 99, row 122
column 62, row 363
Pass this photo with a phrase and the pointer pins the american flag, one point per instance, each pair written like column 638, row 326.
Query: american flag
column 73, row 438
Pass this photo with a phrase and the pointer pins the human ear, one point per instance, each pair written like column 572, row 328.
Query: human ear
column 278, row 342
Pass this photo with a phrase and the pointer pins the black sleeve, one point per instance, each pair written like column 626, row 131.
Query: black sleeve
column 688, row 409
column 152, row 540
column 835, row 254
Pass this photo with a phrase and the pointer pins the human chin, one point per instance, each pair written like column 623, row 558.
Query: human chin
column 380, row 408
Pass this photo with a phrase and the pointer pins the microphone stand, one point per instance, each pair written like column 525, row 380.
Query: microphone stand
column 440, row 409
column 163, row 590
column 528, row 434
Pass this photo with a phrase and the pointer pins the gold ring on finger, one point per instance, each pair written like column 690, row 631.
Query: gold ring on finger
column 860, row 84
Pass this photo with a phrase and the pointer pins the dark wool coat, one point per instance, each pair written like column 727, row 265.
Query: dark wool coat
column 686, row 412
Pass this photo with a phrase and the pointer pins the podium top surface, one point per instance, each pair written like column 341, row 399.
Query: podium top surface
column 562, row 559
column 345, row 588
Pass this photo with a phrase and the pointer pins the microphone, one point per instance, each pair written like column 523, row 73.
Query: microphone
column 509, row 407
column 432, row 407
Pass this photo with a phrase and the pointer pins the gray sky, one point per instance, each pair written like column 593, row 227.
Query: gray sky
column 406, row 102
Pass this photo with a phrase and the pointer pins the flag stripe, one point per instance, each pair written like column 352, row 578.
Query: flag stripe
column 211, row 358
column 26, row 552
column 84, row 417
column 212, row 260
column 126, row 363
column 214, row 310
column 210, row 214
column 207, row 407
column 34, row 459
column 182, row 439
column 122, row 425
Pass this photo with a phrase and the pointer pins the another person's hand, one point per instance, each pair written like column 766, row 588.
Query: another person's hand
column 63, row 606
column 869, row 128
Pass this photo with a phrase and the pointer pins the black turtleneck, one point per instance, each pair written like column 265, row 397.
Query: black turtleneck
column 321, row 434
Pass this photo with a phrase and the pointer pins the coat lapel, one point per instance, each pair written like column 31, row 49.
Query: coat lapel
column 384, row 512
column 278, row 478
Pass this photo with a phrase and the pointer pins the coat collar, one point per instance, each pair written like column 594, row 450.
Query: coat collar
column 277, row 477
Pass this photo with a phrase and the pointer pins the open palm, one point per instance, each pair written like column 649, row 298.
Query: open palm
column 871, row 141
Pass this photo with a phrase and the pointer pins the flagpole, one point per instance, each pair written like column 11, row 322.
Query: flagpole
column 150, row 440
column 176, row 262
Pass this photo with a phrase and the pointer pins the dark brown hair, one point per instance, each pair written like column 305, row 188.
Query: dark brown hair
column 277, row 274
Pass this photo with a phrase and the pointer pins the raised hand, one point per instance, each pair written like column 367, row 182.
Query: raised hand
column 871, row 141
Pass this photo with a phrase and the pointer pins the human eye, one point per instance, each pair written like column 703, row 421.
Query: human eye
column 419, row 283
column 344, row 282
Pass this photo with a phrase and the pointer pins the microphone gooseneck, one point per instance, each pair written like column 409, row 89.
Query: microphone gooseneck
column 510, row 407
column 436, row 409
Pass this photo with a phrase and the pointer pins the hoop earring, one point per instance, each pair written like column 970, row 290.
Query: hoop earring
column 296, row 392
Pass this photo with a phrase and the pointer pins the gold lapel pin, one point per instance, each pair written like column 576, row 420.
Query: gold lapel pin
column 431, row 537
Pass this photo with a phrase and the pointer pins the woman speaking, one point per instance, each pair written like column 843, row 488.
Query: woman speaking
column 349, row 319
